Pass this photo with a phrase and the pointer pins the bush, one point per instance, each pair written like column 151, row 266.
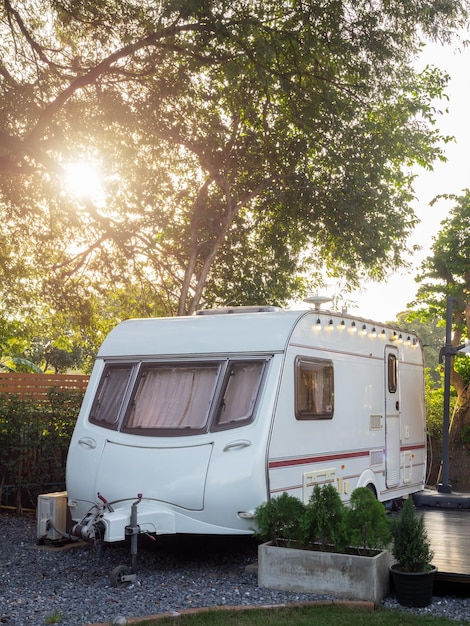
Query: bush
column 411, row 547
column 279, row 518
column 367, row 525
column 34, row 440
column 325, row 521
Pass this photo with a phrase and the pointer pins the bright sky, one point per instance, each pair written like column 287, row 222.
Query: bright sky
column 381, row 302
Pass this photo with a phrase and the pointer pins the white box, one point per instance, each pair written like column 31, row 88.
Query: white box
column 52, row 507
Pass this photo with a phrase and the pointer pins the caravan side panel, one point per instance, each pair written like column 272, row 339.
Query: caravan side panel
column 350, row 443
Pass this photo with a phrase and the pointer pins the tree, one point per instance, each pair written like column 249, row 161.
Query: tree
column 430, row 328
column 244, row 147
column 446, row 272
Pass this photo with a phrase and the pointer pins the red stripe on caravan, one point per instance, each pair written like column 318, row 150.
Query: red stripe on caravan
column 317, row 459
column 416, row 446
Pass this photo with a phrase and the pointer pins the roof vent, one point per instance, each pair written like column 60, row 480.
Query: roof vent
column 237, row 309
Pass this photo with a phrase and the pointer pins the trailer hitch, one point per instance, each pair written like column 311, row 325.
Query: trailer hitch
column 91, row 528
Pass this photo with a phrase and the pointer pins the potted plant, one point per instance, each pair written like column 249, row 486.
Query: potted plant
column 324, row 546
column 412, row 574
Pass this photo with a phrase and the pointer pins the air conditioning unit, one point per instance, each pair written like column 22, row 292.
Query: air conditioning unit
column 52, row 507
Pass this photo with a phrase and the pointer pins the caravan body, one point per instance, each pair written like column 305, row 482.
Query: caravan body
column 203, row 418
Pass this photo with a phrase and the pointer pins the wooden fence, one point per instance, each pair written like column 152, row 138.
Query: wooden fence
column 37, row 386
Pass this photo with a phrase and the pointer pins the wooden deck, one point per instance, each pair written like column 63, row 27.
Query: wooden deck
column 449, row 533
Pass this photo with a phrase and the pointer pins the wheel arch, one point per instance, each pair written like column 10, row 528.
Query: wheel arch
column 369, row 480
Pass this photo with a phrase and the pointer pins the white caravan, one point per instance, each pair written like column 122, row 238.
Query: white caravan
column 189, row 423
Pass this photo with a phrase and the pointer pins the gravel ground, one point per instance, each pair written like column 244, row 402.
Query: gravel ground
column 71, row 586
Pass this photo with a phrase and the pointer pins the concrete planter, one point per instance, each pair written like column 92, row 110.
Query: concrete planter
column 330, row 573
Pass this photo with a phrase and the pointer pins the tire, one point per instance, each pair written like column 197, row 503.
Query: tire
column 117, row 574
column 371, row 487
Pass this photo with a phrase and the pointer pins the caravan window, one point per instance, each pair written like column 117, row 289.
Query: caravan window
column 173, row 398
column 240, row 391
column 179, row 398
column 314, row 388
column 110, row 396
column 392, row 373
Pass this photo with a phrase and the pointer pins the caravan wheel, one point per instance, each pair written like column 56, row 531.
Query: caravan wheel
column 371, row 487
column 120, row 575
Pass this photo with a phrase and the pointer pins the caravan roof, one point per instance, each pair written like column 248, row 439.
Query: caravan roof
column 240, row 332
column 254, row 330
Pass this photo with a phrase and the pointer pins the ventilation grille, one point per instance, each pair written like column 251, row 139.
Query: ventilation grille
column 376, row 457
column 375, row 422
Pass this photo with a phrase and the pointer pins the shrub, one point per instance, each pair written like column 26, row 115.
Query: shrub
column 367, row 525
column 323, row 520
column 279, row 519
column 411, row 546
column 34, row 439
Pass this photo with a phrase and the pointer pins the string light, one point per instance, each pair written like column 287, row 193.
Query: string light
column 372, row 333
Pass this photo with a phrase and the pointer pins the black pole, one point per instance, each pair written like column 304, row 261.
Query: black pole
column 444, row 486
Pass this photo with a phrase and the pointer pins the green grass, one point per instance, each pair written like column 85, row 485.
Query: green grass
column 320, row 615
column 54, row 618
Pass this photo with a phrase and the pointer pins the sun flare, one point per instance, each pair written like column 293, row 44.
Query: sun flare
column 83, row 180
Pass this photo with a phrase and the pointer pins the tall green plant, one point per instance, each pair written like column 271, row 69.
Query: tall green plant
column 280, row 518
column 411, row 546
column 367, row 525
column 323, row 521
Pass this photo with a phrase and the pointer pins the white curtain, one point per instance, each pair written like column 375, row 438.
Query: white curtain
column 315, row 388
column 241, row 391
column 109, row 400
column 174, row 397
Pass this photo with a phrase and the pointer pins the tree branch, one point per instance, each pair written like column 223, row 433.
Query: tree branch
column 33, row 44
column 105, row 66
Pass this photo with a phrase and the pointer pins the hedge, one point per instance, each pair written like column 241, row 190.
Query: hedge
column 34, row 439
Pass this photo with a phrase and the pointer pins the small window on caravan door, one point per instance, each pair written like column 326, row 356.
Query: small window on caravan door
column 109, row 398
column 314, row 389
column 392, row 373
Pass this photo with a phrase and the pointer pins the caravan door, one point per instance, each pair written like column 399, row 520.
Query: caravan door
column 392, row 418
